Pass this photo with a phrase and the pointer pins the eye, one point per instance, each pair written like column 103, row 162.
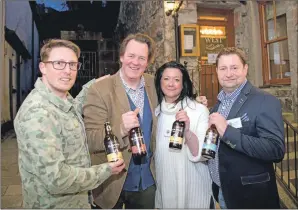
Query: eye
column 60, row 63
column 177, row 80
column 73, row 64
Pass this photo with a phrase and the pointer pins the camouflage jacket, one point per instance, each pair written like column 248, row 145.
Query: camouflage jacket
column 54, row 160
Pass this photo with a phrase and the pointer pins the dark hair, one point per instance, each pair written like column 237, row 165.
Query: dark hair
column 187, row 86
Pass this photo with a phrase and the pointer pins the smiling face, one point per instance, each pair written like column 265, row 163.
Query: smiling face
column 134, row 61
column 59, row 81
column 231, row 72
column 171, row 84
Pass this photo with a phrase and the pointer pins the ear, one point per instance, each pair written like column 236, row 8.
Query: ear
column 246, row 68
column 42, row 68
column 121, row 58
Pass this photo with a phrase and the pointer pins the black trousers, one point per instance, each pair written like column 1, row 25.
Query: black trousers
column 143, row 199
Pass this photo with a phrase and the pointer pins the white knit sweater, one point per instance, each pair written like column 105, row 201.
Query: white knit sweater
column 182, row 180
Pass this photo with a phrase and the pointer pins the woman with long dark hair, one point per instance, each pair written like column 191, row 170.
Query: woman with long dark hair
column 182, row 176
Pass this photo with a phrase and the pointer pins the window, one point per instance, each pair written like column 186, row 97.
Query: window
column 275, row 53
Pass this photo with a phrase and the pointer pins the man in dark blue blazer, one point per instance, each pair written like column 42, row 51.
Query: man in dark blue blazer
column 251, row 138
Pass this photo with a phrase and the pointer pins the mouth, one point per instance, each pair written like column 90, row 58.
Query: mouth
column 134, row 68
column 65, row 79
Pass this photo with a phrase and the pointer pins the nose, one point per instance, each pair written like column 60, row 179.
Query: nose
column 135, row 61
column 67, row 68
column 171, row 82
column 229, row 73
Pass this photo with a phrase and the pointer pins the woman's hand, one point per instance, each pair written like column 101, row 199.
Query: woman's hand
column 183, row 117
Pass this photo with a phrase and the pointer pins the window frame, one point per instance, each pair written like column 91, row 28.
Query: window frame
column 265, row 44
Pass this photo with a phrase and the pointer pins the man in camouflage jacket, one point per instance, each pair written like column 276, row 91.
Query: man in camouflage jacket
column 54, row 160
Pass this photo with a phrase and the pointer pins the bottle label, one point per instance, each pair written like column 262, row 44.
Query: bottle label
column 176, row 140
column 138, row 145
column 210, row 146
column 112, row 151
column 114, row 156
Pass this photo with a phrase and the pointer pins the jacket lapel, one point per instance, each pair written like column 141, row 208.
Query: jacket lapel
column 240, row 100
column 150, row 92
column 215, row 108
column 121, row 94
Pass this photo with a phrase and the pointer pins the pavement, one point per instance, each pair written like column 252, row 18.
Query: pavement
column 11, row 188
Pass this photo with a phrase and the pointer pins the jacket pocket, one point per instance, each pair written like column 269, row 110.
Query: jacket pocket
column 255, row 179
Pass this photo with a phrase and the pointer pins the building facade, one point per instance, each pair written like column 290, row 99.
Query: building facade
column 266, row 31
column 20, row 59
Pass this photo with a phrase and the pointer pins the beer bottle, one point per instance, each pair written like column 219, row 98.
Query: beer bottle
column 138, row 147
column 177, row 134
column 210, row 143
column 111, row 144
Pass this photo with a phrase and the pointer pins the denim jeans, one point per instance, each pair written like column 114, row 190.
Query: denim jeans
column 221, row 200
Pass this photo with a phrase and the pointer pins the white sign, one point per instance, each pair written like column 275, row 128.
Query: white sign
column 188, row 42
column 212, row 58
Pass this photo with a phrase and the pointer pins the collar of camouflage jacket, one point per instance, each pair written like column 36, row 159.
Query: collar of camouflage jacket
column 64, row 105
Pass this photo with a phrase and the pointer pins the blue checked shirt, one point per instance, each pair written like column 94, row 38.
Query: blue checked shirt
column 226, row 102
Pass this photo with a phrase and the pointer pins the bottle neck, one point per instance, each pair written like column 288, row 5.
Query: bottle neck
column 108, row 130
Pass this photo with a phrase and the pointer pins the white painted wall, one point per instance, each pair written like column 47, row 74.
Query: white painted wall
column 19, row 19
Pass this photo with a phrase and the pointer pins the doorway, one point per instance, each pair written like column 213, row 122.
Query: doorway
column 216, row 27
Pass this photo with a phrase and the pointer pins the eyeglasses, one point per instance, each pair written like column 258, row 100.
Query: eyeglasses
column 60, row 65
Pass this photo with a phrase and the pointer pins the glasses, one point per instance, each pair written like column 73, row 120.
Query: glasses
column 60, row 65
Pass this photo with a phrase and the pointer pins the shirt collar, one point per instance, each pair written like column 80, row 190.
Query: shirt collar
column 231, row 96
column 63, row 104
column 126, row 86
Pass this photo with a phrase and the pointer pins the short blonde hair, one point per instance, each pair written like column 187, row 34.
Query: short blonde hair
column 53, row 43
column 142, row 38
column 232, row 51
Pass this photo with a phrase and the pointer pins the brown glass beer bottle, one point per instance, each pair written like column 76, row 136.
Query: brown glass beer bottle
column 111, row 144
column 177, row 134
column 137, row 143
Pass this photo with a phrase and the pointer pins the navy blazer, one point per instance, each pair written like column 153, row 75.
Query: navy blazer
column 246, row 154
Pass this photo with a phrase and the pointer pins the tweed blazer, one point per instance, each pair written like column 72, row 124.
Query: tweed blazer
column 107, row 101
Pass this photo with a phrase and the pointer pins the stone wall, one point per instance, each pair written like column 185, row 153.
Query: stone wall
column 145, row 17
column 188, row 15
column 247, row 37
column 292, row 31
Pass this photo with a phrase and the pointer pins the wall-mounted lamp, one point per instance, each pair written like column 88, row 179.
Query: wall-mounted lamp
column 169, row 7
column 172, row 8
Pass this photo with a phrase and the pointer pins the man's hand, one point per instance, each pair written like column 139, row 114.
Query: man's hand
column 183, row 117
column 117, row 166
column 101, row 78
column 202, row 99
column 129, row 120
column 219, row 121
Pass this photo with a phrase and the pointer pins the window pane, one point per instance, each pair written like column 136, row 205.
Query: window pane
column 281, row 21
column 281, row 25
column 279, row 60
